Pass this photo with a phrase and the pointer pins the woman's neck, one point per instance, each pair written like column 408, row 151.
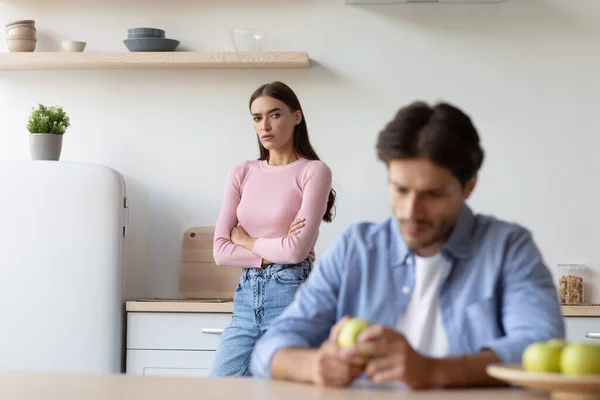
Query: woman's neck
column 278, row 158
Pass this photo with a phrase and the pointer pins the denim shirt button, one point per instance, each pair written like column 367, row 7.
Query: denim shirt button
column 405, row 289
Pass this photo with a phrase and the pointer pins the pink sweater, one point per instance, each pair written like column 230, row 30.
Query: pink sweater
column 264, row 200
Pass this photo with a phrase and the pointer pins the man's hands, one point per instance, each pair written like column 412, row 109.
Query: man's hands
column 385, row 356
column 332, row 368
column 391, row 358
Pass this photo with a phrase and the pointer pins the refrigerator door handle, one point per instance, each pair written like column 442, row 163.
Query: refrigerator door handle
column 125, row 216
column 212, row 331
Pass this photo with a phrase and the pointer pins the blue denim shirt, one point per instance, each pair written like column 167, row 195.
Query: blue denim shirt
column 496, row 293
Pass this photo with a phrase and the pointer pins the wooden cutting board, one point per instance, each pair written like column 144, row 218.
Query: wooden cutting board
column 199, row 276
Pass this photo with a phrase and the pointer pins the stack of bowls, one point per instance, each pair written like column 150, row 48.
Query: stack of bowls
column 149, row 39
column 21, row 36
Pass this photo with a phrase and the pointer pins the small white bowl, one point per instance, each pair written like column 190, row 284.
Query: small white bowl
column 73, row 46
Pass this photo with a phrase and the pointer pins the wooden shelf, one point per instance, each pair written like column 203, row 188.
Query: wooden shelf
column 159, row 60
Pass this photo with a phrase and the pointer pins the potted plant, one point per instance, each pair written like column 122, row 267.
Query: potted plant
column 47, row 126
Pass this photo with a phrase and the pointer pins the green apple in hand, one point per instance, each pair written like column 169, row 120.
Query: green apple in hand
column 350, row 331
column 541, row 357
column 580, row 359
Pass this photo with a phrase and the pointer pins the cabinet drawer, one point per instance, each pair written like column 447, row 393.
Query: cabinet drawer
column 169, row 362
column 578, row 327
column 175, row 331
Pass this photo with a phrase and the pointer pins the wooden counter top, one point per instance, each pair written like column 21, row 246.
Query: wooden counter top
column 178, row 306
column 56, row 386
column 592, row 310
column 197, row 306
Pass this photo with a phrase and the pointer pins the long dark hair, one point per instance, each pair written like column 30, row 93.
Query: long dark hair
column 302, row 146
column 442, row 134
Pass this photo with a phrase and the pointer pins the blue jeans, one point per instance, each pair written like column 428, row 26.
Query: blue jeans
column 261, row 295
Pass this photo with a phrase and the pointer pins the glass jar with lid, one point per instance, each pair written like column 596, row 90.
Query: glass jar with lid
column 570, row 283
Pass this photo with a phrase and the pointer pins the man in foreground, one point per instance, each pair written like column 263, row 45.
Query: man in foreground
column 448, row 291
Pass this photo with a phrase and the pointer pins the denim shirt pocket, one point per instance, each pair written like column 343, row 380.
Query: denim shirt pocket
column 293, row 275
column 483, row 321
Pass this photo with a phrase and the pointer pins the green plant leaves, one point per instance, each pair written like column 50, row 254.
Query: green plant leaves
column 48, row 120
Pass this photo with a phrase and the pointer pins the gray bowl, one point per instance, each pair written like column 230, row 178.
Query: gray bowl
column 141, row 36
column 151, row 44
column 145, row 32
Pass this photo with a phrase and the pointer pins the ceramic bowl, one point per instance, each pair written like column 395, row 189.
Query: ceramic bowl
column 21, row 22
column 21, row 45
column 136, row 33
column 73, row 46
column 21, row 31
column 151, row 44
column 251, row 40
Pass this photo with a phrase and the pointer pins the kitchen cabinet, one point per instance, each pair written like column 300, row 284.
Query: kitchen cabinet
column 582, row 323
column 157, row 362
column 174, row 338
column 578, row 327
column 179, row 338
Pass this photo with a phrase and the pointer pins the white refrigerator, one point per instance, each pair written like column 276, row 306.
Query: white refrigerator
column 62, row 227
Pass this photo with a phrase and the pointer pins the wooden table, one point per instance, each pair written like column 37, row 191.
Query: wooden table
column 56, row 386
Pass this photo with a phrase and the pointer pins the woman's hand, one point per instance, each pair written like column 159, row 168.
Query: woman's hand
column 295, row 226
column 241, row 238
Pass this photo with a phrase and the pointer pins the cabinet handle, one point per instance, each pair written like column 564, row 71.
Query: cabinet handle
column 593, row 335
column 212, row 331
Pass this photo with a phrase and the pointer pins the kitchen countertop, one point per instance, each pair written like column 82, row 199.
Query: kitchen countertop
column 179, row 306
column 62, row 386
column 198, row 306
column 591, row 310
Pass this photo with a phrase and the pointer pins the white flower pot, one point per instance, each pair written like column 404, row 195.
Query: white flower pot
column 45, row 146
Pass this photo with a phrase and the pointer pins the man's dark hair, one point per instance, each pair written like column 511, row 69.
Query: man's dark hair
column 442, row 134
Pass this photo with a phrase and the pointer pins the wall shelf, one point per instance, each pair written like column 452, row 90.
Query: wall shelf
column 159, row 60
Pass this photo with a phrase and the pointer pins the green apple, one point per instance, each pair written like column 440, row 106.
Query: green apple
column 350, row 331
column 580, row 359
column 560, row 343
column 540, row 357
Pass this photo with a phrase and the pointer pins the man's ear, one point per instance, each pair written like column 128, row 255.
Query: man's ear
column 470, row 186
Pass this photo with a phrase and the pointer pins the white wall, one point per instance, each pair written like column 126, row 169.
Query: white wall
column 526, row 71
